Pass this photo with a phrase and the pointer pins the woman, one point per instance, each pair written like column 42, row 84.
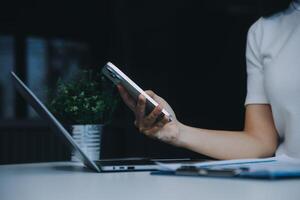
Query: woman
column 272, row 102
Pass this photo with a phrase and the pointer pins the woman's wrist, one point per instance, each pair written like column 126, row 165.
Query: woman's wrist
column 186, row 136
column 180, row 132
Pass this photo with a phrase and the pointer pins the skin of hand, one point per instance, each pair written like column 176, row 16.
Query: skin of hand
column 164, row 130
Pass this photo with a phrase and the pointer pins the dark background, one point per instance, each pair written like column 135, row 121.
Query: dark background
column 192, row 53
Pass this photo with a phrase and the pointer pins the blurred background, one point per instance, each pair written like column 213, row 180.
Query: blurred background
column 192, row 53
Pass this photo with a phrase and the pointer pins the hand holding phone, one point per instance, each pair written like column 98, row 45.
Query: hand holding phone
column 118, row 77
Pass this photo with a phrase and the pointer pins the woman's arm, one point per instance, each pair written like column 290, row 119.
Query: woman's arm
column 258, row 139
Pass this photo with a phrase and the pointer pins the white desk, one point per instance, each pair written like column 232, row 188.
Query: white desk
column 70, row 181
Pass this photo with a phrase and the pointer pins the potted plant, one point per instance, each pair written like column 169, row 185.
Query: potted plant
column 86, row 103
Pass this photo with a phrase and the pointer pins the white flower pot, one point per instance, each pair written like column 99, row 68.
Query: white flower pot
column 88, row 137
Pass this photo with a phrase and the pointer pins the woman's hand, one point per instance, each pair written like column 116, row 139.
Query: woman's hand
column 164, row 130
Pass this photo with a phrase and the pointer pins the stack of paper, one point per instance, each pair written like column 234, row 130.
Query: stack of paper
column 274, row 167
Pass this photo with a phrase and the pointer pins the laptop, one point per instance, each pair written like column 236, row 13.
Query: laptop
column 107, row 165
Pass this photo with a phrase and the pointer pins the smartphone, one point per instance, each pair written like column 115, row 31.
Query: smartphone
column 118, row 77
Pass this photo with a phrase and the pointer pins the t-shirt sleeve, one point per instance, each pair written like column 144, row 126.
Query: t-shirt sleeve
column 255, row 73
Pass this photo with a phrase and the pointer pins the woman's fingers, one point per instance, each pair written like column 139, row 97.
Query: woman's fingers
column 149, row 125
column 152, row 117
column 129, row 101
column 152, row 132
column 162, row 122
column 140, row 110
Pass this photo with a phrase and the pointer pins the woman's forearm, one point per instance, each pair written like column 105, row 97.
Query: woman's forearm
column 223, row 144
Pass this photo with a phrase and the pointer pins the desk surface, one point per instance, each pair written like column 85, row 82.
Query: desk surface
column 70, row 181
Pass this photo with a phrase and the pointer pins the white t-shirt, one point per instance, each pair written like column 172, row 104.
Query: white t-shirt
column 273, row 68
